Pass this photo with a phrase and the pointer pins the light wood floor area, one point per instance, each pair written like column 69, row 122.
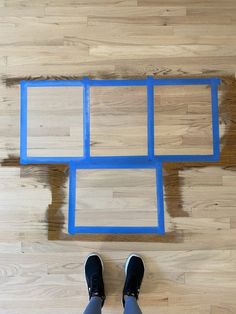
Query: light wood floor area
column 192, row 269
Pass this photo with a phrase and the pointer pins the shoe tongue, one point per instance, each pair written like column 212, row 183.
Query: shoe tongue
column 95, row 284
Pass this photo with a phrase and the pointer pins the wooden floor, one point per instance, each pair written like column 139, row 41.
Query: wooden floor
column 192, row 269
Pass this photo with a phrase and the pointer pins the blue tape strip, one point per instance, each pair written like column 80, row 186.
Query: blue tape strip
column 53, row 83
column 159, row 229
column 117, row 230
column 186, row 158
column 50, row 160
column 114, row 162
column 124, row 82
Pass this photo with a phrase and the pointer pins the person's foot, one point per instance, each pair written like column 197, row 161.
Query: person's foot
column 134, row 271
column 94, row 276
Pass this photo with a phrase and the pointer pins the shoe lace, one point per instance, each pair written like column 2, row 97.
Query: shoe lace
column 95, row 286
column 132, row 288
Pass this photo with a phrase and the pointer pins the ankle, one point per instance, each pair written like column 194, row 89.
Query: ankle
column 129, row 296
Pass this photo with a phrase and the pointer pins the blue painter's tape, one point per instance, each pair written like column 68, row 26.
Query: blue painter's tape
column 51, row 160
column 185, row 158
column 159, row 229
column 53, row 83
column 119, row 162
column 117, row 230
column 123, row 82
column 115, row 162
column 134, row 162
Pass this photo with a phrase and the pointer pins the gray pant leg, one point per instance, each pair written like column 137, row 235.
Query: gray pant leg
column 94, row 306
column 131, row 306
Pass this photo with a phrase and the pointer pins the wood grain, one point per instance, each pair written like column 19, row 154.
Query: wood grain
column 190, row 270
column 118, row 121
column 55, row 121
column 183, row 120
column 124, row 197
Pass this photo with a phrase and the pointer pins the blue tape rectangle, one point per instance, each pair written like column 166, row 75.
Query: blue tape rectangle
column 150, row 82
column 72, row 228
column 118, row 162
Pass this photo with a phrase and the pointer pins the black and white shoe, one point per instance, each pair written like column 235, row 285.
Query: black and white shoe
column 94, row 276
column 134, row 272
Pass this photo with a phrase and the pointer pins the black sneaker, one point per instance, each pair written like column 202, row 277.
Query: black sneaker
column 94, row 278
column 134, row 271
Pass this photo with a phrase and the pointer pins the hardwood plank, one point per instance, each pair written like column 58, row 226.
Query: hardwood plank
column 192, row 268
column 51, row 115
column 141, row 210
column 126, row 135
column 114, row 11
